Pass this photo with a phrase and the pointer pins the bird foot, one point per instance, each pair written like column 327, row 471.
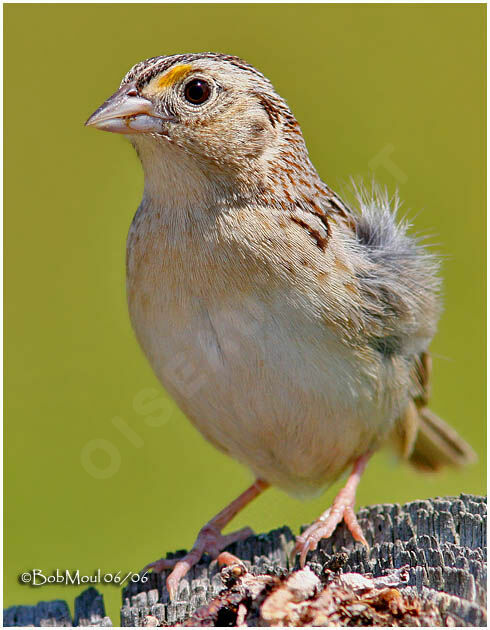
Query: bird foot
column 209, row 540
column 342, row 509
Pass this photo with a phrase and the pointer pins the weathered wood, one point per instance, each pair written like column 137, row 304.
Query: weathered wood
column 89, row 611
column 441, row 542
column 55, row 613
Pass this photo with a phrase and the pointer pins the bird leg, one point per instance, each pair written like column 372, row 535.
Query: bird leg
column 210, row 540
column 342, row 509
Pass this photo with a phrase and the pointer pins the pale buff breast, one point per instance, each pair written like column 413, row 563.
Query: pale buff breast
column 252, row 364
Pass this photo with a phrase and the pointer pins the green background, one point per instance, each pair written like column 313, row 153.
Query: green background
column 364, row 81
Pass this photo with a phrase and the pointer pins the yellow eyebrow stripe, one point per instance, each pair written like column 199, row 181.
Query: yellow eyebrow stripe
column 172, row 76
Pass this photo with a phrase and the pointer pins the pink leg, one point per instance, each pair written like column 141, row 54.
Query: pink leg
column 342, row 509
column 210, row 539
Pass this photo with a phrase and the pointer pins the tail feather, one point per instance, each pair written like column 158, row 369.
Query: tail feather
column 437, row 444
column 421, row 437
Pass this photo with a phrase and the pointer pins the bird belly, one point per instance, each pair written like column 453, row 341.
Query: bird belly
column 274, row 390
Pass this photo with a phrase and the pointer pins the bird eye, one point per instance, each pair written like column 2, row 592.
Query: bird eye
column 197, row 91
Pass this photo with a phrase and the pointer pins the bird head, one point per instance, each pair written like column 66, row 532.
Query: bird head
column 213, row 107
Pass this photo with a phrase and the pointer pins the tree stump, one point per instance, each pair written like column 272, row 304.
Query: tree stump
column 426, row 566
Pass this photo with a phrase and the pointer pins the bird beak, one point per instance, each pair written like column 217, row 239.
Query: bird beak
column 127, row 112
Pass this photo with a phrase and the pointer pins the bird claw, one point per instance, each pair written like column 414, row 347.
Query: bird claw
column 324, row 528
column 158, row 566
column 209, row 540
column 342, row 510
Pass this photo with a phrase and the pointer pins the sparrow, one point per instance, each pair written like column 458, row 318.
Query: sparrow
column 291, row 327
